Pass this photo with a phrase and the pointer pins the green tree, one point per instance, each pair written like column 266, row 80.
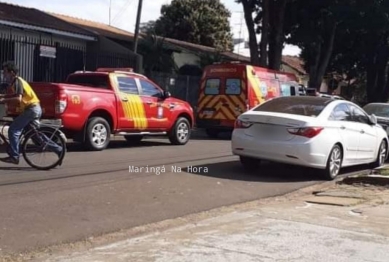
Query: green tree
column 252, row 14
column 209, row 59
column 349, row 37
column 155, row 56
column 313, row 26
column 147, row 27
column 266, row 17
column 369, row 39
column 201, row 22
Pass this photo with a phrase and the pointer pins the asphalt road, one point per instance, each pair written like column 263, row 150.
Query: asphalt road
column 95, row 193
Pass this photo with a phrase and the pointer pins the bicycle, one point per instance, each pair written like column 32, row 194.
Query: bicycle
column 42, row 136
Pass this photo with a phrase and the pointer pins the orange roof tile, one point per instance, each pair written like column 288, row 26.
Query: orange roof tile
column 294, row 62
column 113, row 32
column 96, row 27
column 34, row 17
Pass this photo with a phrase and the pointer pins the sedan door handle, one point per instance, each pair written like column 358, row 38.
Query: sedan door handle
column 342, row 127
column 125, row 99
column 149, row 103
column 362, row 131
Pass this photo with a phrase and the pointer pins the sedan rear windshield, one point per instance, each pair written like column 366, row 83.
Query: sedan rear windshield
column 377, row 109
column 304, row 106
column 98, row 81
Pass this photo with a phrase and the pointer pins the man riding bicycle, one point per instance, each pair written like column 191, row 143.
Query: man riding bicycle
column 28, row 105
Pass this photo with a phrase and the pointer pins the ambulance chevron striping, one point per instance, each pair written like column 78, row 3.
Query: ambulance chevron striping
column 227, row 113
column 212, row 103
column 204, row 100
column 237, row 101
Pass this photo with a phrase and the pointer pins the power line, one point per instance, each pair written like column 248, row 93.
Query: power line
column 110, row 11
column 123, row 9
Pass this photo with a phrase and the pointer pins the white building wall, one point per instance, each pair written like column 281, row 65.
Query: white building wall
column 185, row 58
column 244, row 50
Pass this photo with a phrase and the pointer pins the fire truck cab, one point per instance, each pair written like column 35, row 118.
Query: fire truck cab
column 229, row 89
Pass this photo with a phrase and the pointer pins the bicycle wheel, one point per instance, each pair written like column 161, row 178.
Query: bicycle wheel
column 41, row 142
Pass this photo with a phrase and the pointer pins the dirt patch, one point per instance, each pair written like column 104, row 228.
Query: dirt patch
column 382, row 172
column 378, row 178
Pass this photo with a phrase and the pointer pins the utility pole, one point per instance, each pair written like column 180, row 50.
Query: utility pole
column 138, row 16
column 240, row 32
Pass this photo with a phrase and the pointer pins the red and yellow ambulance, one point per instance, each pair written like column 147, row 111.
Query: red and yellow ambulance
column 229, row 89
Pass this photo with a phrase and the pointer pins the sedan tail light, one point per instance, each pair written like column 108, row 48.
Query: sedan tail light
column 308, row 132
column 241, row 124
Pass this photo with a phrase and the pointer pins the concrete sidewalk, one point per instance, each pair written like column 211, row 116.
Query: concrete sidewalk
column 343, row 223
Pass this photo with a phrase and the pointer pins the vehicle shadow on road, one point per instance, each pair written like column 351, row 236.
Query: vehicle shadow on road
column 117, row 144
column 201, row 135
column 267, row 172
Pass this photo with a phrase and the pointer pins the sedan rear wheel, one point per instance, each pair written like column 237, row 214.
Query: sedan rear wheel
column 334, row 163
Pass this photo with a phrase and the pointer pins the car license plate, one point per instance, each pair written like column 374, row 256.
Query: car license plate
column 208, row 112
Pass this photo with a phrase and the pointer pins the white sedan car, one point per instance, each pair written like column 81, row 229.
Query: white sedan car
column 316, row 132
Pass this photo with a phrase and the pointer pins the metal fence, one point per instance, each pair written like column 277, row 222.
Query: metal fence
column 180, row 86
column 53, row 63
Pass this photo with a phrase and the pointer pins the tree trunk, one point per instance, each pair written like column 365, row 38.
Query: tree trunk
column 326, row 54
column 276, row 44
column 264, row 34
column 377, row 82
column 253, row 44
column 382, row 63
column 386, row 90
column 371, row 81
column 315, row 52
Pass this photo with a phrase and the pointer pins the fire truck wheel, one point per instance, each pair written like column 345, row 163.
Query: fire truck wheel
column 180, row 133
column 98, row 134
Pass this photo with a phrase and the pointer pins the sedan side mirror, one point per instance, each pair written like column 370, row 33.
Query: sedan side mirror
column 166, row 94
column 373, row 119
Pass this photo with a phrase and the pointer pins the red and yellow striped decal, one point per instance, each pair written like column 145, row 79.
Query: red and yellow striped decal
column 134, row 110
column 255, row 85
